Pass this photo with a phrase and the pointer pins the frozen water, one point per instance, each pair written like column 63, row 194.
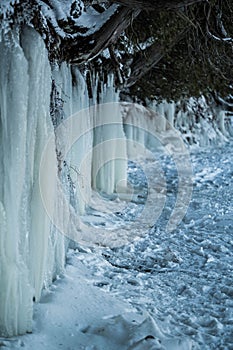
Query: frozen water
column 183, row 278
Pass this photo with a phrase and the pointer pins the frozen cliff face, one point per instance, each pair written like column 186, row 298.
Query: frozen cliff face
column 29, row 247
column 41, row 106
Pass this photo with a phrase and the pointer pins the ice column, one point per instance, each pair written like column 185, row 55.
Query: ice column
column 31, row 252
column 15, row 291
column 109, row 165
column 143, row 126
column 77, row 125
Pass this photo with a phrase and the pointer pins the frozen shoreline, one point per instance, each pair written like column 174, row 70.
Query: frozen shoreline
column 179, row 284
column 74, row 314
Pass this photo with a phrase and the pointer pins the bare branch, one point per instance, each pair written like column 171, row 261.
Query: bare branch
column 149, row 57
column 157, row 4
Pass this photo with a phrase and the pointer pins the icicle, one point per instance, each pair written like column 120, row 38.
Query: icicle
column 25, row 242
column 196, row 122
column 160, row 109
column 82, row 149
column 169, row 111
column 109, row 165
column 16, row 294
column 221, row 122
column 141, row 126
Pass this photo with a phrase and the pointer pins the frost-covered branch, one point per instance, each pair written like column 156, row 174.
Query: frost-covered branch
column 81, row 48
column 219, row 32
column 72, row 31
column 226, row 102
column 82, row 33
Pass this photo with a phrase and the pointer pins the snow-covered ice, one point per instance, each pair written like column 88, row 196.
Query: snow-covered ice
column 163, row 291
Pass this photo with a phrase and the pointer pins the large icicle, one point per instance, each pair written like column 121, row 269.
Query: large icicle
column 39, row 122
column 30, row 255
column 15, row 291
column 72, row 91
column 81, row 151
column 109, row 165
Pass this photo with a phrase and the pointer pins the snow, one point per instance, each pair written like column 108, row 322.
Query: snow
column 177, row 286
column 7, row 8
column 88, row 19
column 93, row 22
column 91, row 318
column 163, row 291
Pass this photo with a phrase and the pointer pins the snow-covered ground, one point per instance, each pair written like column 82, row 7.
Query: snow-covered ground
column 166, row 290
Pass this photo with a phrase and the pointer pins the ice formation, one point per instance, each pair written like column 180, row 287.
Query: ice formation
column 199, row 124
column 109, row 166
column 32, row 250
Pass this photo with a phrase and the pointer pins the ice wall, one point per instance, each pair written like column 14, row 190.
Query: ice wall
column 199, row 123
column 71, row 89
column 98, row 158
column 32, row 253
column 35, row 100
column 143, row 126
column 15, row 291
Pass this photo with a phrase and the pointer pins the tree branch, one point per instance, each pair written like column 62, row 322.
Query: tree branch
column 77, row 39
column 83, row 48
column 156, row 4
column 149, row 57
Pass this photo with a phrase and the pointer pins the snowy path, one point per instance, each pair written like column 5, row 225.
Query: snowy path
column 164, row 291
